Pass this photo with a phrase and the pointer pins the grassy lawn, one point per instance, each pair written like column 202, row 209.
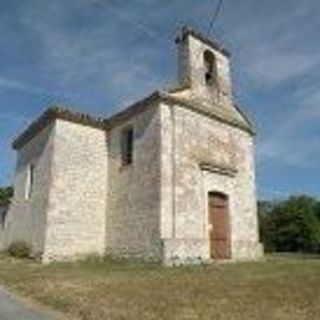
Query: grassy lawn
column 280, row 288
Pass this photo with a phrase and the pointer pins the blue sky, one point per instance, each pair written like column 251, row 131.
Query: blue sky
column 99, row 55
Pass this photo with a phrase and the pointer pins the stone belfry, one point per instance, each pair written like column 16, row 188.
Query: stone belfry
column 204, row 69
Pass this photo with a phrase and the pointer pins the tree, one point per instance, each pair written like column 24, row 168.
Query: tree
column 317, row 210
column 6, row 193
column 264, row 209
column 292, row 225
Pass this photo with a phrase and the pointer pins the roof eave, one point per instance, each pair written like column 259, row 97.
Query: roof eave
column 58, row 112
column 50, row 115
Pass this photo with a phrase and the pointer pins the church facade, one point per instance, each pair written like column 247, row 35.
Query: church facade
column 170, row 178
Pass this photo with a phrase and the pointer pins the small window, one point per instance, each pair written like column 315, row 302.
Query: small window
column 210, row 68
column 127, row 146
column 3, row 215
column 30, row 181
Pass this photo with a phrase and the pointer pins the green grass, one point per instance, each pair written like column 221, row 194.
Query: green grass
column 283, row 287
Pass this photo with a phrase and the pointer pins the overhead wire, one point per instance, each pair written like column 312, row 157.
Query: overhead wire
column 213, row 20
column 215, row 16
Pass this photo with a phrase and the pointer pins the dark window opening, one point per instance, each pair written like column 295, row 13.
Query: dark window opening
column 3, row 215
column 210, row 68
column 127, row 146
column 30, row 182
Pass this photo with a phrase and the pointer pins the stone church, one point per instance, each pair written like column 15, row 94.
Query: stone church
column 169, row 178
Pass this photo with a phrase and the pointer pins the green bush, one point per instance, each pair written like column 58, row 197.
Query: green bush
column 291, row 225
column 6, row 193
column 20, row 249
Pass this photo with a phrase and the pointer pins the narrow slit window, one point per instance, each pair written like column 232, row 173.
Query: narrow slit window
column 30, row 181
column 127, row 146
column 210, row 68
column 3, row 215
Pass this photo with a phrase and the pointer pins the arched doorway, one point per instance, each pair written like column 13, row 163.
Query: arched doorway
column 218, row 204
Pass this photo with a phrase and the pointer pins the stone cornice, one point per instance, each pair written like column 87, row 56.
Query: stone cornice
column 218, row 168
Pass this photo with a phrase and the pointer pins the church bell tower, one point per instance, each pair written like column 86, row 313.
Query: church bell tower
column 204, row 68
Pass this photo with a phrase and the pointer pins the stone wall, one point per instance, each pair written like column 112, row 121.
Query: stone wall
column 77, row 204
column 188, row 140
column 85, row 200
column 134, row 190
column 26, row 219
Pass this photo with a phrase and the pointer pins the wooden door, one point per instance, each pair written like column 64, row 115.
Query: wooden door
column 220, row 230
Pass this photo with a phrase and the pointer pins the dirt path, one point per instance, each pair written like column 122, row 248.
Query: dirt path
column 12, row 308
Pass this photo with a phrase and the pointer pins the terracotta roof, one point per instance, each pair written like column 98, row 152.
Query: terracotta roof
column 58, row 112
column 209, row 111
column 187, row 30
column 133, row 109
column 52, row 113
